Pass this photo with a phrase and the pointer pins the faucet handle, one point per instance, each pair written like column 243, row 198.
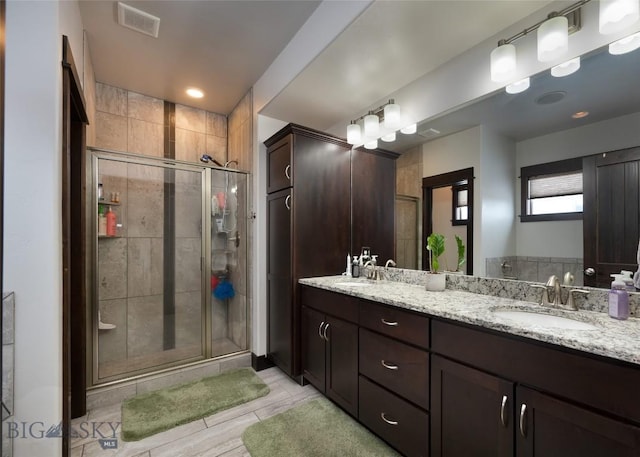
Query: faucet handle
column 545, row 293
column 571, row 303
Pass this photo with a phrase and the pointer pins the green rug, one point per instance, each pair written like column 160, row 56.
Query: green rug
column 161, row 410
column 315, row 429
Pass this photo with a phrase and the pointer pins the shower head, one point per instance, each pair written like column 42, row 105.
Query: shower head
column 206, row 158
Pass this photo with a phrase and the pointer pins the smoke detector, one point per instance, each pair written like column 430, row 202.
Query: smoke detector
column 138, row 20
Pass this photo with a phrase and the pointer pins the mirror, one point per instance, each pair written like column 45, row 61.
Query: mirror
column 500, row 133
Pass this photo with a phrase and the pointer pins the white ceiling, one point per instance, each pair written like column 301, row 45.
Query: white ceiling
column 391, row 44
column 221, row 47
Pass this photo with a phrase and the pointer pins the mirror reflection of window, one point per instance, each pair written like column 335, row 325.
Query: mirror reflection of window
column 460, row 200
column 443, row 199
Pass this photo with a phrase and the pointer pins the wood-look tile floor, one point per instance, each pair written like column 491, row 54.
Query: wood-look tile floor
column 217, row 435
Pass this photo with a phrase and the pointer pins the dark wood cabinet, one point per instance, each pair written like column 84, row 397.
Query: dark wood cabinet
column 310, row 229
column 471, row 412
column 477, row 413
column 548, row 427
column 330, row 351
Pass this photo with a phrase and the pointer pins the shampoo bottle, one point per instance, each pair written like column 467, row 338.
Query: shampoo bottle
column 618, row 299
column 111, row 223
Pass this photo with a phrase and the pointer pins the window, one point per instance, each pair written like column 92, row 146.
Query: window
column 552, row 191
column 460, row 200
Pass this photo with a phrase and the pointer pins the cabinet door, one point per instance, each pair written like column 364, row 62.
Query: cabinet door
column 313, row 347
column 373, row 203
column 471, row 412
column 342, row 364
column 279, row 281
column 549, row 427
column 280, row 173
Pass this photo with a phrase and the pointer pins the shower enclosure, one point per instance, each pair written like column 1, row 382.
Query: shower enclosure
column 169, row 277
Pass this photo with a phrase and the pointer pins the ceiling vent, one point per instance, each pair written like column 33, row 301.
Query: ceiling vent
column 138, row 20
column 428, row 133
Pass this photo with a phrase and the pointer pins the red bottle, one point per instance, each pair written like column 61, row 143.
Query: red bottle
column 111, row 223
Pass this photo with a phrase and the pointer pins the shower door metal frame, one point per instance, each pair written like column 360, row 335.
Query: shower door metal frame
column 92, row 325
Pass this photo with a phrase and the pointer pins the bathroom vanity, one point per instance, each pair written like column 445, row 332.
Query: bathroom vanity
column 446, row 374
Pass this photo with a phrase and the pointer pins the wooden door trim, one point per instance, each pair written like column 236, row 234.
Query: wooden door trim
column 442, row 180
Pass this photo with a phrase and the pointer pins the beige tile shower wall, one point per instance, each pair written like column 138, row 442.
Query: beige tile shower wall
column 408, row 183
column 240, row 137
column 127, row 121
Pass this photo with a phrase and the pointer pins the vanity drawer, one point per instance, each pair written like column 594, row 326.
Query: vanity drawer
column 397, row 323
column 395, row 420
column 333, row 303
column 399, row 367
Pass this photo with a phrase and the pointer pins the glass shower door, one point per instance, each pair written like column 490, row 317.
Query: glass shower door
column 229, row 301
column 149, row 311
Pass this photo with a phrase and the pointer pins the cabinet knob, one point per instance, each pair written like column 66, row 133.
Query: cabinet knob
column 388, row 366
column 388, row 421
column 523, row 425
column 590, row 271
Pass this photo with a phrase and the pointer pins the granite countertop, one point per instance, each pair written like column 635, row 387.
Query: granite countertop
column 611, row 338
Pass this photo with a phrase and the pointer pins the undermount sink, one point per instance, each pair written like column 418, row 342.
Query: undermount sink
column 352, row 284
column 538, row 319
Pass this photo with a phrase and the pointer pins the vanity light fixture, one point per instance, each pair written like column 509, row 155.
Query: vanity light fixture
column 409, row 129
column 553, row 38
column 627, row 44
column 503, row 62
column 195, row 93
column 381, row 122
column 518, row 86
column 373, row 144
column 566, row 68
column 354, row 133
column 616, row 15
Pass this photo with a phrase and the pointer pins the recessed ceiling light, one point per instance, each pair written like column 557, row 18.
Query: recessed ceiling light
column 580, row 114
column 195, row 93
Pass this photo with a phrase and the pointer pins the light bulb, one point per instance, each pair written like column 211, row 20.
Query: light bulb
column 389, row 137
column 553, row 38
column 616, row 15
column 195, row 93
column 518, row 86
column 409, row 129
column 566, row 68
column 392, row 115
column 503, row 63
column 354, row 134
column 373, row 144
column 371, row 125
column 627, row 44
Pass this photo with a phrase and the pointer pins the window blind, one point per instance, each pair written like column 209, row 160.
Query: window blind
column 555, row 185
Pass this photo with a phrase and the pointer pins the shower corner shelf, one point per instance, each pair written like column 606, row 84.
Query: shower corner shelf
column 103, row 237
column 104, row 202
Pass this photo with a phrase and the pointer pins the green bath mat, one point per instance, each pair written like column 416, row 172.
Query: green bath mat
column 315, row 429
column 161, row 410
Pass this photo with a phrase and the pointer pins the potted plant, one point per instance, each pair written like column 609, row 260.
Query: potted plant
column 435, row 281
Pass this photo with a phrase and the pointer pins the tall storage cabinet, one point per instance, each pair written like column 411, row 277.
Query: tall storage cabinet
column 311, row 211
column 308, row 187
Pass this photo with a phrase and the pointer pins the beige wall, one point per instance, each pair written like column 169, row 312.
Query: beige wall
column 127, row 121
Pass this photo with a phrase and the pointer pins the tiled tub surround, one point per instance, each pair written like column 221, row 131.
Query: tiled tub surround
column 612, row 338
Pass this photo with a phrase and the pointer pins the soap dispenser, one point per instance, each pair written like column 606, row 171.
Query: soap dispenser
column 618, row 299
column 355, row 270
column 627, row 277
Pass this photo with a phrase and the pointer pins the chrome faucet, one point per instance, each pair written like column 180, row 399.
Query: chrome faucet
column 374, row 273
column 390, row 262
column 554, row 282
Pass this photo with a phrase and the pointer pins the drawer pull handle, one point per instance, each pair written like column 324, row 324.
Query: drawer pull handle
column 324, row 332
column 387, row 366
column 287, row 202
column 390, row 422
column 389, row 323
column 320, row 329
column 523, row 412
column 286, row 171
column 503, row 408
